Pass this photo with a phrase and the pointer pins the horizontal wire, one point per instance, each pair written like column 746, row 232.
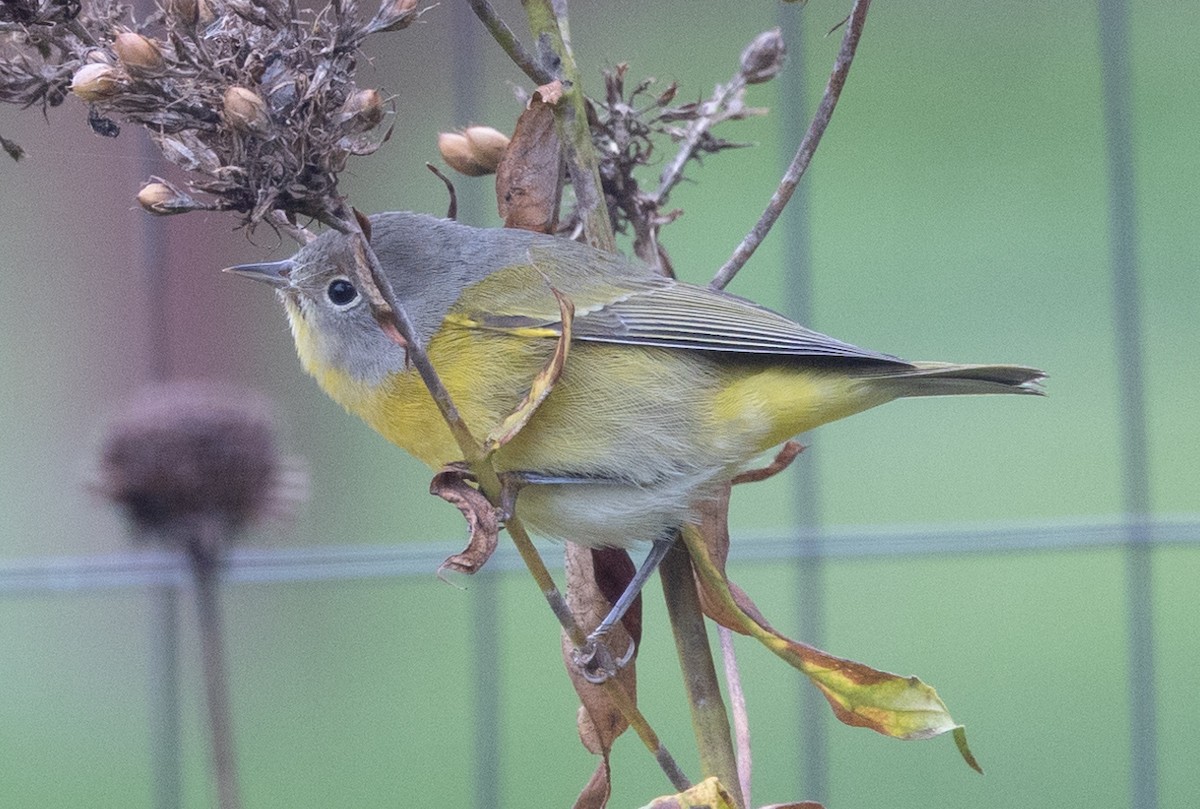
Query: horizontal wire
column 136, row 568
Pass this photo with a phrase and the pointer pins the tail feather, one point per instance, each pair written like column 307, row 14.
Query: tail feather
column 948, row 379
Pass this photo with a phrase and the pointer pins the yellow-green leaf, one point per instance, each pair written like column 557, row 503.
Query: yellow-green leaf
column 897, row 706
column 708, row 794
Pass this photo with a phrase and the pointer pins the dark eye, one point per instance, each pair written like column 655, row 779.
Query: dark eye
column 341, row 292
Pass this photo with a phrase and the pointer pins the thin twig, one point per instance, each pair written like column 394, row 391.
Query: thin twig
column 696, row 130
column 737, row 700
column 812, row 138
column 508, row 41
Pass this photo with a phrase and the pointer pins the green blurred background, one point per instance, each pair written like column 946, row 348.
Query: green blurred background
column 958, row 209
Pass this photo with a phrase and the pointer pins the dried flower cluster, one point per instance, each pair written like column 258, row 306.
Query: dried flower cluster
column 254, row 98
column 626, row 123
column 186, row 457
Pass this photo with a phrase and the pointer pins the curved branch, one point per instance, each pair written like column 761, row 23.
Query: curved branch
column 804, row 153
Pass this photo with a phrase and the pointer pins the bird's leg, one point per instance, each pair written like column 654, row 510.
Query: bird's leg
column 595, row 659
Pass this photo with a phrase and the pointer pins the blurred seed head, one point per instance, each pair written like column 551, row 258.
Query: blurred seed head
column 763, row 57
column 185, row 457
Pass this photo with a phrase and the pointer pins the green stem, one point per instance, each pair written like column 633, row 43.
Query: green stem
column 710, row 722
column 583, row 165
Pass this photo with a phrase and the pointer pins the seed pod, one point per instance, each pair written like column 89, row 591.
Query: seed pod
column 362, row 111
column 457, row 152
column 246, row 111
column 162, row 199
column 763, row 57
column 487, row 146
column 138, row 54
column 393, row 15
column 96, row 82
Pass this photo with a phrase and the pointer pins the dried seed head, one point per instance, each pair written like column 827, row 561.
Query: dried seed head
column 246, row 111
column 487, row 145
column 393, row 15
column 163, row 199
column 763, row 57
column 186, row 457
column 138, row 54
column 96, row 81
column 362, row 111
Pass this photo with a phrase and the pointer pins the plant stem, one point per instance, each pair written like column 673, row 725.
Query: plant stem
column 741, row 721
column 571, row 115
column 508, row 41
column 710, row 723
column 204, row 562
column 804, row 153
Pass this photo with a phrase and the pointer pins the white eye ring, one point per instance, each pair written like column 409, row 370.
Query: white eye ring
column 341, row 293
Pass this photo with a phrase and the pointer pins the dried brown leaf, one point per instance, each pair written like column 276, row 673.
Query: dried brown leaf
column 483, row 524
column 529, row 179
column 600, row 721
column 596, row 793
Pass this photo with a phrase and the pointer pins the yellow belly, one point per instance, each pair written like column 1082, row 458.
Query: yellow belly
column 649, row 430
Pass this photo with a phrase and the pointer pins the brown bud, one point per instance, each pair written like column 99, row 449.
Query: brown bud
column 246, row 111
column 163, row 199
column 393, row 15
column 763, row 57
column 456, row 151
column 363, row 110
column 185, row 12
column 487, row 145
column 137, row 53
column 96, row 82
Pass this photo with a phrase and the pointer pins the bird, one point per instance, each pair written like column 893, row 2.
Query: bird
column 669, row 389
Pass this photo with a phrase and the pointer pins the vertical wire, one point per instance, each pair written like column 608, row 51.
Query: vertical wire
column 466, row 79
column 797, row 267
column 1135, row 484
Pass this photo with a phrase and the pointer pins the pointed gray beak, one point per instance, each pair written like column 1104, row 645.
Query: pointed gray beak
column 275, row 273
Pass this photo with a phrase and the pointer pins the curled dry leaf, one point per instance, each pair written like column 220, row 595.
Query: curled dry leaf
column 529, row 179
column 783, row 459
column 543, row 383
column 890, row 704
column 596, row 792
column 483, row 524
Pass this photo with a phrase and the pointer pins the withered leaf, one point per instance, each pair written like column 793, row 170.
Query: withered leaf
column 890, row 704
column 596, row 792
column 783, row 459
column 600, row 721
column 543, row 383
column 529, row 179
column 451, row 485
column 709, row 794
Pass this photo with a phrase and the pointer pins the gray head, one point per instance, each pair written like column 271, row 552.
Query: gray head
column 428, row 261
